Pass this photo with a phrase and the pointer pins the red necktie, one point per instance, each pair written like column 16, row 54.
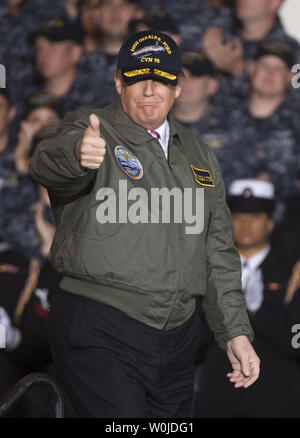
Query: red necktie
column 155, row 134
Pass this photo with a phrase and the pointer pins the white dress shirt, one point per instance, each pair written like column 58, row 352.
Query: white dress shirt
column 164, row 133
column 252, row 280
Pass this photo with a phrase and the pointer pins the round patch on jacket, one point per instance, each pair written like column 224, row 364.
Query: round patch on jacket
column 128, row 162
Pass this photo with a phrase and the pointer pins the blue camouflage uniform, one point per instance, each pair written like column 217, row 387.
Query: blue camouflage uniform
column 96, row 69
column 17, row 226
column 239, row 86
column 193, row 18
column 18, row 193
column 15, row 53
column 213, row 128
column 247, row 147
column 270, row 145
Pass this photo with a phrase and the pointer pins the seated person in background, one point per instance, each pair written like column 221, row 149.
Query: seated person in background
column 58, row 49
column 198, row 108
column 42, row 109
column 90, row 22
column 17, row 219
column 257, row 21
column 18, row 19
column 105, row 26
column 7, row 137
column 105, row 23
column 19, row 191
column 264, row 128
column 272, row 297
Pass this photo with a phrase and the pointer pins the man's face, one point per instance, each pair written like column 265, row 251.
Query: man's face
column 251, row 230
column 41, row 117
column 196, row 89
column 7, row 114
column 255, row 10
column 147, row 102
column 90, row 17
column 116, row 15
column 270, row 76
column 54, row 59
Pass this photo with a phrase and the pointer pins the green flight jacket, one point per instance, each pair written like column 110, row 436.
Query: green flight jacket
column 151, row 271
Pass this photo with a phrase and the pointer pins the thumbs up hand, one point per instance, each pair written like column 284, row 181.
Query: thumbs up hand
column 91, row 147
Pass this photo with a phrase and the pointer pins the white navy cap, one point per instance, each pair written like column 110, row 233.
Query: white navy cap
column 251, row 196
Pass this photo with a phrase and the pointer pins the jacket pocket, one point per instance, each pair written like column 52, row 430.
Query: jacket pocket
column 88, row 225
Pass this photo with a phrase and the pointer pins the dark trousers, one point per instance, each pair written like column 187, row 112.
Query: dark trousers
column 110, row 365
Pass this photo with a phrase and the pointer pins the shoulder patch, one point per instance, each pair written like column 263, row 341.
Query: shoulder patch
column 203, row 177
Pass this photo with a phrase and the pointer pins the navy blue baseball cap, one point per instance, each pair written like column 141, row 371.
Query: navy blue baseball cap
column 43, row 99
column 150, row 54
column 277, row 47
column 197, row 63
column 58, row 29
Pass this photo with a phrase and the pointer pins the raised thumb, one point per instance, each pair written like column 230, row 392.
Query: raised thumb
column 95, row 124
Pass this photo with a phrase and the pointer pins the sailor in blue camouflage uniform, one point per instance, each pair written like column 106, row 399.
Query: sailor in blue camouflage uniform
column 199, row 108
column 255, row 21
column 105, row 26
column 18, row 189
column 19, row 192
column 96, row 68
column 265, row 134
column 79, row 93
column 15, row 54
column 277, row 31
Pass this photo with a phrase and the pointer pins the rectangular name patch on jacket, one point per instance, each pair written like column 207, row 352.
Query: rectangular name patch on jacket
column 203, row 177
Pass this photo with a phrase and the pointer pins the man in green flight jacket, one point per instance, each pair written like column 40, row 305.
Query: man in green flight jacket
column 124, row 181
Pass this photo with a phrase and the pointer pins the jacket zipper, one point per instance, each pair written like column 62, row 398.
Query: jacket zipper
column 175, row 181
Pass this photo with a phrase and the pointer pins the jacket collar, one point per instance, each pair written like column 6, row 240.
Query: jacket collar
column 131, row 131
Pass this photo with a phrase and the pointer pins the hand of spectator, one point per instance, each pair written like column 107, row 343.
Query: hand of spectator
column 91, row 148
column 212, row 40
column 45, row 230
column 11, row 333
column 231, row 57
column 227, row 57
column 25, row 137
column 244, row 361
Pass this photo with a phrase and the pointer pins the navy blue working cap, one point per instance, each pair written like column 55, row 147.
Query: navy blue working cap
column 197, row 63
column 43, row 99
column 277, row 47
column 58, row 29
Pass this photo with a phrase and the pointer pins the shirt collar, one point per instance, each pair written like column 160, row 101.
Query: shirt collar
column 162, row 131
column 255, row 261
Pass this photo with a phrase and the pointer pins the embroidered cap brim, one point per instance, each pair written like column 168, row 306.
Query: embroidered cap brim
column 143, row 73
